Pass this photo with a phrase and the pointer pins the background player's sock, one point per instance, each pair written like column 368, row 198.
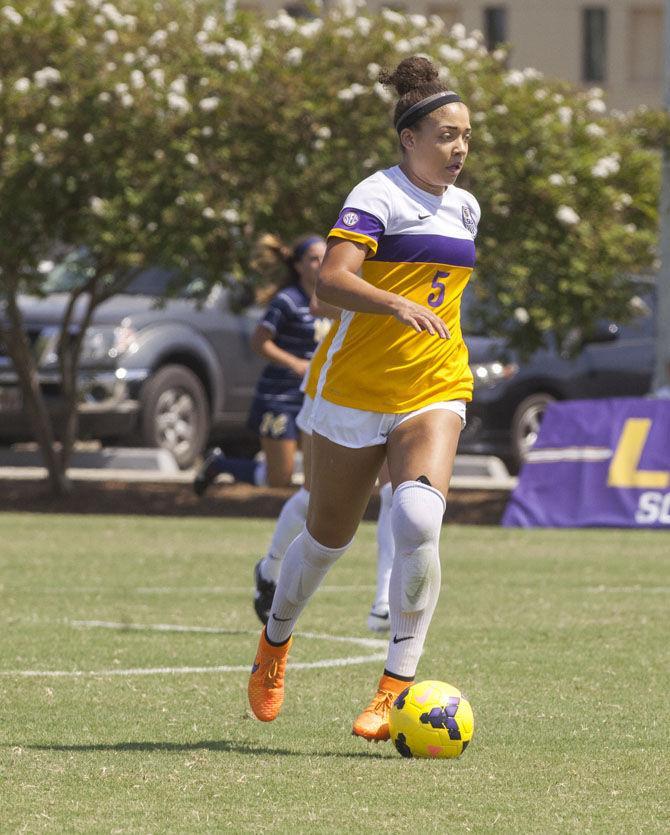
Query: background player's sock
column 305, row 565
column 290, row 522
column 416, row 515
column 247, row 470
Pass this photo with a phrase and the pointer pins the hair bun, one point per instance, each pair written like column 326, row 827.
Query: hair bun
column 409, row 74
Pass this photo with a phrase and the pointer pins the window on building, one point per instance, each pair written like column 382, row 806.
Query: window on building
column 495, row 26
column 646, row 44
column 594, row 41
column 450, row 13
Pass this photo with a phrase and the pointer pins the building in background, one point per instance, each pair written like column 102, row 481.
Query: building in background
column 613, row 44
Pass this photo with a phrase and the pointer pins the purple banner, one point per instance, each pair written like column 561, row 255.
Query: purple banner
column 597, row 463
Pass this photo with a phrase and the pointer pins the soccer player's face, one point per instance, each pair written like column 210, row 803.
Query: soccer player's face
column 440, row 145
column 308, row 265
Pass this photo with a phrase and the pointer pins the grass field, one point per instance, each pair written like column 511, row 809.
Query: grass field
column 560, row 640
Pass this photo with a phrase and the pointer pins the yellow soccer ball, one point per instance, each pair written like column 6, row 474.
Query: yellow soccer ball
column 431, row 719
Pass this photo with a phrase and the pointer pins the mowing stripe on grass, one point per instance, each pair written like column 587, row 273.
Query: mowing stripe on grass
column 628, row 589
column 174, row 589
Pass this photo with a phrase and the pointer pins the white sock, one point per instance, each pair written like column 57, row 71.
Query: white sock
column 416, row 515
column 305, row 565
column 385, row 547
column 261, row 474
column 289, row 524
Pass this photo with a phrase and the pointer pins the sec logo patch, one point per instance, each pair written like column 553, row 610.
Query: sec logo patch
column 350, row 218
column 468, row 220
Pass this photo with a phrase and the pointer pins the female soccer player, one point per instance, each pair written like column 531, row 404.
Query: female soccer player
column 294, row 512
column 394, row 384
column 286, row 337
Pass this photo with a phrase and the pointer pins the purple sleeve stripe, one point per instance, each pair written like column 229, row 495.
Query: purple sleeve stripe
column 427, row 249
column 356, row 220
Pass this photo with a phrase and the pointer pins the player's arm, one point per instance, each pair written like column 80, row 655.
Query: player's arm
column 338, row 284
column 262, row 342
column 322, row 309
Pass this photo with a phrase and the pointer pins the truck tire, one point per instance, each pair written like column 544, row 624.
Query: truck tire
column 175, row 413
column 526, row 424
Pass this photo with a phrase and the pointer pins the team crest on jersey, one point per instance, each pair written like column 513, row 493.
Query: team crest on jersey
column 350, row 219
column 468, row 220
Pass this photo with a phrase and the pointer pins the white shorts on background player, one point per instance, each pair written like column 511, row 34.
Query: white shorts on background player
column 356, row 428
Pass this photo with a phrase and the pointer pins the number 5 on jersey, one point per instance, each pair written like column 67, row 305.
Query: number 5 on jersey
column 435, row 299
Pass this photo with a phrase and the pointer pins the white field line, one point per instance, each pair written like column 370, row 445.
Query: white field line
column 159, row 671
column 372, row 643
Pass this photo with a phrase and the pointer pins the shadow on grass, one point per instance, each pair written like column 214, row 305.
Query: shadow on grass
column 223, row 745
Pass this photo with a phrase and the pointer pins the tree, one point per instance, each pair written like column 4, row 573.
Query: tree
column 178, row 131
column 101, row 114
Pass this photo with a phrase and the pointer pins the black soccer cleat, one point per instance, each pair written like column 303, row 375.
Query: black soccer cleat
column 264, row 594
column 208, row 472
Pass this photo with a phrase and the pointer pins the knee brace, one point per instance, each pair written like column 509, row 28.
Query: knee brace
column 416, row 518
column 316, row 561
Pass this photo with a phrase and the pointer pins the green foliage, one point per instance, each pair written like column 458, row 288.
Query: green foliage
column 178, row 131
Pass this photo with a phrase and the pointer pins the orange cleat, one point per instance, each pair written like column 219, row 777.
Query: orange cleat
column 373, row 723
column 266, row 683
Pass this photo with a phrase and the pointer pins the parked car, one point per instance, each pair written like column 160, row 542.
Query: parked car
column 166, row 374
column 511, row 394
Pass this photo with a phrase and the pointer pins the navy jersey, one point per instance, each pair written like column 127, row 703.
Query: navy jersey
column 293, row 329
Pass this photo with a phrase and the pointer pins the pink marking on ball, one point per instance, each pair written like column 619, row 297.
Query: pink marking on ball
column 434, row 750
column 423, row 699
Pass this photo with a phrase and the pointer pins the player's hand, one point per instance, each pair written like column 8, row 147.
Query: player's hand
column 300, row 366
column 420, row 318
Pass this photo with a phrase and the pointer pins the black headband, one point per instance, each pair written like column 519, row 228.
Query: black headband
column 302, row 247
column 422, row 108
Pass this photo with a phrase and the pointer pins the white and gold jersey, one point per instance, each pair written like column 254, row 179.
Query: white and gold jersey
column 420, row 246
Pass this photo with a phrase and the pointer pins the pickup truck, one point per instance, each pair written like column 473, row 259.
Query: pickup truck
column 162, row 371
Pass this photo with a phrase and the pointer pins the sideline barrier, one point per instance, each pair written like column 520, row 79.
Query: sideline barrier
column 597, row 463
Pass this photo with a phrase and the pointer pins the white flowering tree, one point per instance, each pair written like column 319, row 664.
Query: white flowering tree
column 177, row 131
column 103, row 111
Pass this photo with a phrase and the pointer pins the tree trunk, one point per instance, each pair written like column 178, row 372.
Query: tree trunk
column 73, row 331
column 21, row 355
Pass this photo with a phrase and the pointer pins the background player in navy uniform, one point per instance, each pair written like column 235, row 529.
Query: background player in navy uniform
column 286, row 336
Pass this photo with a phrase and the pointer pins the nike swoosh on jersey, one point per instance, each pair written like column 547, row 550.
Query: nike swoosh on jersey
column 425, row 217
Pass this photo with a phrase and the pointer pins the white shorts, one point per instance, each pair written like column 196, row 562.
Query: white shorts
column 356, row 428
column 303, row 419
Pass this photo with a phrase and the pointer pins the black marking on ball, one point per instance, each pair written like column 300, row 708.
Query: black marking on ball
column 443, row 717
column 400, row 699
column 402, row 746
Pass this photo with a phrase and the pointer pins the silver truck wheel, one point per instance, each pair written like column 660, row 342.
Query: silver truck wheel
column 175, row 413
